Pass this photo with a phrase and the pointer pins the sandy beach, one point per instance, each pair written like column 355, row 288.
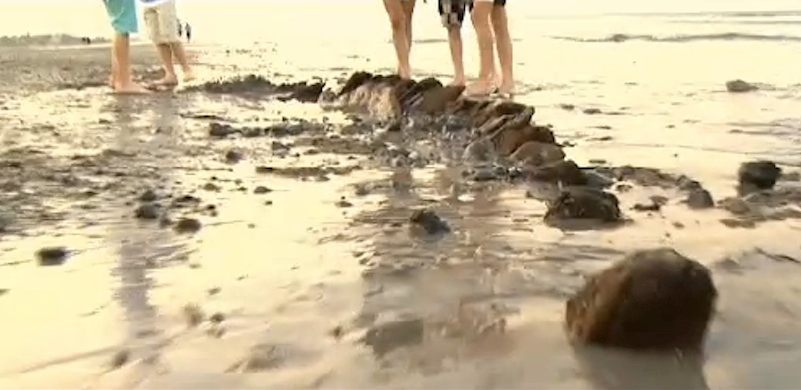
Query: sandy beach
column 280, row 253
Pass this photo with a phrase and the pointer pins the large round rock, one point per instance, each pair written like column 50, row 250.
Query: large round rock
column 652, row 300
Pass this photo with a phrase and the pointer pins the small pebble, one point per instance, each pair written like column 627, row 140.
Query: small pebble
column 260, row 190
column 148, row 196
column 52, row 256
column 193, row 315
column 188, row 225
column 120, row 358
column 217, row 318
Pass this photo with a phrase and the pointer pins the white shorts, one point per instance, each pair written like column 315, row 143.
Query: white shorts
column 162, row 23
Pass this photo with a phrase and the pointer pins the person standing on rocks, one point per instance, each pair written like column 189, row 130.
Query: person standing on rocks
column 452, row 13
column 123, row 19
column 400, row 17
column 492, row 30
column 160, row 18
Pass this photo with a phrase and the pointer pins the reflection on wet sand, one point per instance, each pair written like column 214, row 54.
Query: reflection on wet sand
column 613, row 369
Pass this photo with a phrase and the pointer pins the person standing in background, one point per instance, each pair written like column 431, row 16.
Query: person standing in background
column 180, row 28
column 161, row 19
column 123, row 19
column 492, row 31
column 400, row 17
column 452, row 13
column 188, row 33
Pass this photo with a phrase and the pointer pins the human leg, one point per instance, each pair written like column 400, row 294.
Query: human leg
column 503, row 43
column 481, row 15
column 400, row 37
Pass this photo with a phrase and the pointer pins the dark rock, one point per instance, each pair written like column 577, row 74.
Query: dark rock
column 435, row 100
column 567, row 107
column 188, row 225
column 211, row 187
column 52, row 256
column 220, row 130
column 147, row 211
column 760, row 175
column 344, row 203
column 484, row 174
column 564, row 172
column 356, row 80
column 740, row 86
column 217, row 318
column 653, row 206
column 388, row 337
column 307, row 93
column 537, row 153
column 233, row 156
column 738, row 223
column 260, row 190
column 120, row 359
column 361, row 190
column 148, row 196
column 193, row 315
column 584, row 203
column 652, row 300
column 479, row 150
column 592, row 111
column 700, row 199
column 430, row 222
column 262, row 170
column 736, row 206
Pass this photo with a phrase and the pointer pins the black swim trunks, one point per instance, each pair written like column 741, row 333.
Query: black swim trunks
column 452, row 12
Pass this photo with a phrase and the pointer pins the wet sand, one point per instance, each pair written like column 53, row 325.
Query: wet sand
column 317, row 280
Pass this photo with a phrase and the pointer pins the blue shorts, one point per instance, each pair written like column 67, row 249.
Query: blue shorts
column 123, row 15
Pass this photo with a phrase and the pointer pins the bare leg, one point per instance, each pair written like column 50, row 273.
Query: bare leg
column 503, row 41
column 123, row 82
column 408, row 12
column 481, row 21
column 455, row 40
column 112, row 79
column 180, row 55
column 400, row 36
column 165, row 52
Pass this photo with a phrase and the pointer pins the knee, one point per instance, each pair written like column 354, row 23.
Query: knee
column 398, row 23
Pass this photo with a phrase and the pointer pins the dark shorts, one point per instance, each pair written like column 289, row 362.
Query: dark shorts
column 497, row 3
column 452, row 12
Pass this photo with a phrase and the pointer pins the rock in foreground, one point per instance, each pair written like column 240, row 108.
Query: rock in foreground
column 759, row 174
column 652, row 300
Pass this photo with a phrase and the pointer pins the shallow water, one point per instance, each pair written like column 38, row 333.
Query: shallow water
column 301, row 281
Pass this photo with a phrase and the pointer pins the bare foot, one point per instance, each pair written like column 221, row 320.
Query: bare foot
column 507, row 89
column 405, row 73
column 481, row 88
column 167, row 81
column 188, row 75
column 457, row 82
column 130, row 88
